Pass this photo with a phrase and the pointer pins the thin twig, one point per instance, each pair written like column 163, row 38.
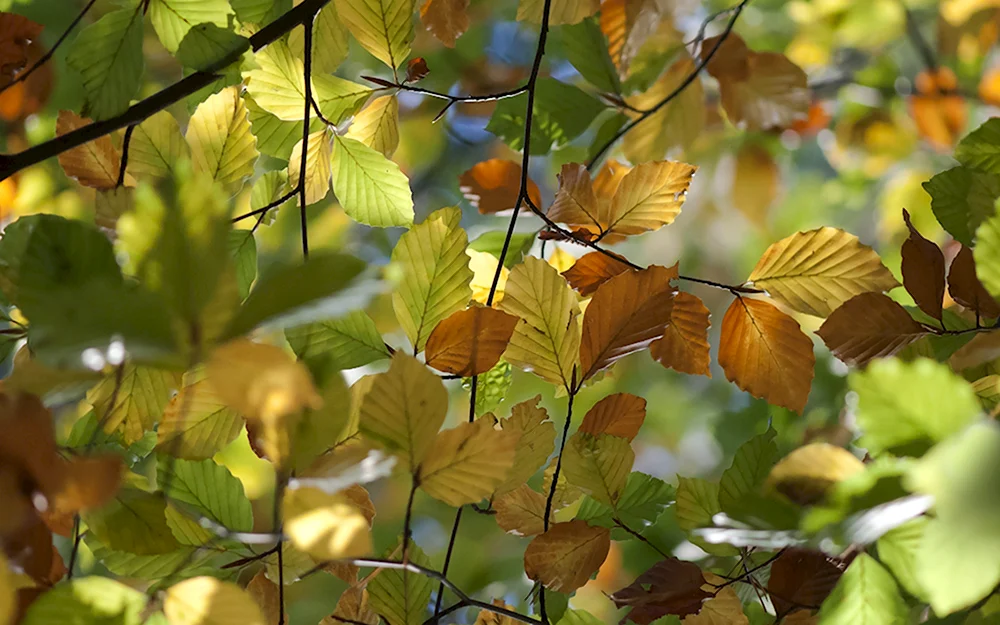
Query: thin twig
column 126, row 141
column 307, row 25
column 640, row 537
column 278, row 202
column 408, row 518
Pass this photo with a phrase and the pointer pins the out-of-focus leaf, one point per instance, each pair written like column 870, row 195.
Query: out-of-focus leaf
column 492, row 186
column 89, row 600
column 866, row 593
column 562, row 113
column 560, row 12
column 203, row 600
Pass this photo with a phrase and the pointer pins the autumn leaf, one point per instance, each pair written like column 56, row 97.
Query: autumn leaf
column 220, row 138
column 627, row 24
column 470, row 341
column 16, row 34
column 724, row 607
column 206, row 600
column 319, row 153
column 626, row 314
column 560, row 12
column 592, row 270
column 923, row 271
column 599, row 465
column 466, row 463
column 670, row 586
column 649, row 196
column 618, row 414
column 869, row 326
column 800, row 577
column 684, row 344
column 377, row 125
column 325, row 526
column 521, row 511
column 763, row 351
column 563, row 558
column 535, row 436
column 94, row 164
column 382, row 27
column 492, row 186
column 816, row 271
column 484, row 268
column 677, row 123
column 731, row 58
column 267, row 597
column 143, row 393
column 353, row 604
column 575, row 203
column 446, row 19
column 966, row 289
column 940, row 112
column 756, row 182
column 806, row 474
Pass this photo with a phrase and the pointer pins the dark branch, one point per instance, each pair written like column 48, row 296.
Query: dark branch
column 124, row 164
column 307, row 25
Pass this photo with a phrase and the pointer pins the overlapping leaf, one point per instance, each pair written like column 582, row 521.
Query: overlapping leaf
column 220, row 138
column 923, row 271
column 618, row 414
column 599, row 465
column 370, row 187
column 868, row 326
column 382, row 27
column 564, row 557
column 465, row 464
column 470, row 341
column 684, row 344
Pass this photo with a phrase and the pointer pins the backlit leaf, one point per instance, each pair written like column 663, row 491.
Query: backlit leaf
column 535, row 438
column 319, row 152
column 446, row 19
column 401, row 597
column 979, row 151
column 564, row 557
column 172, row 19
column 220, row 138
column 325, row 526
column 599, row 465
column 962, row 199
column 684, row 344
column 866, row 593
column 521, row 511
column 382, row 27
column 209, row 487
column 196, row 423
column 157, row 144
column 344, row 343
column 277, row 83
column 773, row 94
column 592, row 270
column 897, row 550
column 492, row 186
column 377, row 126
column 88, row 600
column 923, row 271
column 108, row 56
column 619, row 414
column 370, row 187
column 470, row 341
column 139, row 400
column 808, row 473
column 209, row 601
column 93, row 164
column 330, row 42
column 466, row 463
column 561, row 11
column 678, row 123
column 649, row 196
column 575, row 203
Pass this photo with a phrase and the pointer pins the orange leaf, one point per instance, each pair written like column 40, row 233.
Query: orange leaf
column 684, row 346
column 626, row 314
column 966, row 289
column 939, row 112
column 627, row 24
column 470, row 341
column 575, row 203
column 592, row 270
column 989, row 87
column 93, row 164
column 608, row 177
column 923, row 271
column 802, row 578
column 16, row 34
column 521, row 511
column 869, row 326
column 670, row 586
column 492, row 186
column 446, row 19
column 416, row 69
column 30, row 95
column 648, row 197
column 563, row 558
column 816, row 119
column 265, row 595
column 620, row 414
column 764, row 352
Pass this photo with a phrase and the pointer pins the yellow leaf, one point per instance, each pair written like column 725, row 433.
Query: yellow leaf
column 547, row 339
column 684, row 345
column 626, row 314
column 484, row 268
column 486, row 617
column 404, row 409
column 725, row 608
column 493, row 186
column 383, row 27
column 325, row 526
column 869, row 326
column 446, row 19
column 564, row 557
column 806, row 474
column 576, row 203
column 755, row 183
column 197, row 423
column 209, row 601
column 599, row 465
column 536, row 436
column 470, row 341
column 773, row 95
column 765, row 353
column 816, row 271
column 560, row 259
column 466, row 463
column 377, row 126
column 220, row 139
column 93, row 164
column 330, row 41
column 157, row 145
column 139, row 401
column 318, row 166
column 436, row 274
column 521, row 511
column 676, row 124
column 648, row 197
column 277, row 83
column 627, row 24
column 619, row 414
column 560, row 11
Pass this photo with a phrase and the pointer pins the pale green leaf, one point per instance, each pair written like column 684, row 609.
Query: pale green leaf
column 600, row 465
column 401, row 597
column 134, row 522
column 172, row 19
column 378, row 125
column 209, row 487
column 987, row 254
column 343, row 343
column 220, row 138
column 383, row 27
column 370, row 187
column 866, row 594
column 242, row 248
column 897, row 550
column 157, row 144
column 276, row 137
column 329, row 41
column 86, row 601
column 196, row 423
column 277, row 83
column 108, row 56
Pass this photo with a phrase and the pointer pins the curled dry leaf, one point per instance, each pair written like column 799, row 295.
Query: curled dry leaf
column 806, row 474
column 521, row 511
column 416, row 69
column 965, row 287
column 939, row 111
column 684, row 345
column 465, row 464
column 869, row 326
column 492, row 186
column 923, row 271
column 670, row 586
column 802, row 578
column 563, row 558
column 619, row 414
column 446, row 19
column 763, row 351
column 94, row 164
column 470, row 341
column 592, row 270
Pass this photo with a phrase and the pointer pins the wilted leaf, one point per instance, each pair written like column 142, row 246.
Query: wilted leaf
column 684, row 344
column 808, row 473
column 492, row 186
column 209, row 601
column 470, row 341
column 563, row 558
column 465, row 464
column 670, row 586
column 923, row 271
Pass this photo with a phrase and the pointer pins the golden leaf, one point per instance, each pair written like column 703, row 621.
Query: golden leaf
column 676, row 124
column 869, row 326
column 755, row 183
column 806, row 474
column 521, row 511
column 209, row 601
column 725, row 608
column 93, row 164
column 325, row 526
column 923, row 271
column 446, row 19
column 563, row 558
column 535, row 435
column 648, row 197
column 318, row 165
column 938, row 110
column 592, row 270
column 627, row 24
column 619, row 414
column 377, row 126
column 560, row 12
column 466, row 463
column 493, row 186
column 470, row 341
column 575, row 203
column 684, row 345
column 484, row 269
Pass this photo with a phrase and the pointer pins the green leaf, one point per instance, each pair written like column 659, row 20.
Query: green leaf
column 108, row 56
column 492, row 387
column 324, row 286
column 277, row 82
column 697, row 503
column 579, row 617
column 134, row 522
column 436, row 274
column 337, row 98
column 243, row 250
column 492, row 243
column 638, row 507
column 987, row 254
column 208, row 47
column 268, row 189
column 749, row 470
column 157, row 145
column 330, row 43
column 320, row 430
column 962, row 199
column 139, row 401
column 87, row 601
column 600, row 465
column 370, row 187
column 905, row 408
column 259, row 11
column 196, row 423
column 897, row 550
column 958, row 561
column 584, row 46
column 401, row 597
column 865, row 595
column 183, row 561
column 172, row 19
column 344, row 343
column 383, row 27
column 980, row 149
column 275, row 137
column 208, row 486
column 562, row 113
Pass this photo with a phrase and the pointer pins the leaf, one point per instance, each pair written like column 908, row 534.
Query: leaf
column 773, row 94
column 697, row 503
column 276, row 137
column 353, row 604
column 649, row 196
column 470, row 341
column 575, row 203
column 220, row 138
column 535, row 437
column 869, row 326
column 325, row 526
column 196, row 423
column 94, row 164
column 670, row 586
column 108, row 56
column 446, row 19
column 8, row 592
column 749, row 470
column 401, row 597
column 173, row 19
column 338, row 99
column 266, row 595
column 370, row 187
column 563, row 558
column 330, row 42
column 987, row 254
column 907, row 407
column 684, row 344
column 619, row 414
column 382, row 27
column 966, row 289
column 978, row 150
column 547, row 340
column 562, row 112
column 319, row 153
column 277, row 82
column 157, row 145
column 405, row 409
column 897, row 550
column 592, row 270
column 209, row 601
column 465, row 464
column 962, row 199
column 866, row 593
column 815, row 272
column 676, row 124
column 763, row 351
column 638, row 506
column 435, row 281
column 208, row 486
column 377, row 126
column 561, row 11
column 134, row 522
column 521, row 511
column 923, row 271
column 242, row 248
column 212, row 48
column 583, row 45
column 802, row 578
column 626, row 314
column 808, row 473
column 139, row 401
column 88, row 600
column 344, row 343
column 493, row 186
column 940, row 114
column 600, row 465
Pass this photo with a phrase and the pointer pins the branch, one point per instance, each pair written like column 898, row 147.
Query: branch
column 640, row 537
column 124, row 164
column 10, row 164
column 307, row 25
column 452, row 99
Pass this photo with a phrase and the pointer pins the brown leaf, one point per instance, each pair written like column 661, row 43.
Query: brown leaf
column 416, row 69
column 521, row 511
column 16, row 34
column 939, row 111
column 684, row 346
column 30, row 549
column 763, row 351
column 802, row 578
column 869, row 326
column 563, row 558
column 487, row 617
column 30, row 95
column 492, row 186
column 575, row 203
column 446, row 19
column 592, row 270
column 965, row 287
column 265, row 595
column 470, row 341
column 620, row 414
column 93, row 164
column 923, row 271
column 626, row 314
column 670, row 586
column 90, row 483
column 352, row 605
column 772, row 94
column 731, row 59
